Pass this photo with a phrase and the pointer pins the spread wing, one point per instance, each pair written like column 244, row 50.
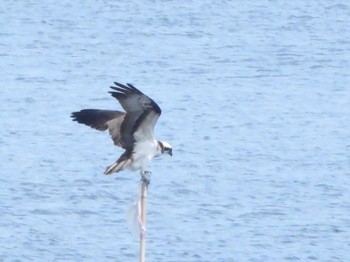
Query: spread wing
column 141, row 116
column 102, row 120
column 96, row 118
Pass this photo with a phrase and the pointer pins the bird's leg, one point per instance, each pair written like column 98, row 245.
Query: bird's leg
column 146, row 177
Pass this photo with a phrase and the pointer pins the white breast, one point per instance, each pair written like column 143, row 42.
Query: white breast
column 144, row 152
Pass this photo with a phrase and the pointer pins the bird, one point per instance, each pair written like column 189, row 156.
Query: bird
column 132, row 130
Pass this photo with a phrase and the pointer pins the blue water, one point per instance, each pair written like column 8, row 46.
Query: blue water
column 255, row 98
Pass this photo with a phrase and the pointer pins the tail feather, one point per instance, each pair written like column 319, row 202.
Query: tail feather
column 117, row 166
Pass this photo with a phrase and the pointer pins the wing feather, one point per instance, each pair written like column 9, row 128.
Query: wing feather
column 102, row 120
column 96, row 118
column 141, row 111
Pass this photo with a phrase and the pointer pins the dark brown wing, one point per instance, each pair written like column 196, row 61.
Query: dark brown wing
column 96, row 118
column 141, row 111
column 102, row 120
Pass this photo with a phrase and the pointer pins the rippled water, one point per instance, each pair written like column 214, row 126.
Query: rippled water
column 255, row 100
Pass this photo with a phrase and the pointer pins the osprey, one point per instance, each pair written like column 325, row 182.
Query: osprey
column 132, row 130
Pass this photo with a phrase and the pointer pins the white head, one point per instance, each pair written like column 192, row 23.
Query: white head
column 165, row 148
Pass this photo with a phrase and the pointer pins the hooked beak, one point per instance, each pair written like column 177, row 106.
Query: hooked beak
column 171, row 153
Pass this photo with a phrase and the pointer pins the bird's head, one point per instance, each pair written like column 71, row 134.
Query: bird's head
column 165, row 148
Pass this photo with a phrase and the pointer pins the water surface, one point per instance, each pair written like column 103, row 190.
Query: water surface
column 255, row 100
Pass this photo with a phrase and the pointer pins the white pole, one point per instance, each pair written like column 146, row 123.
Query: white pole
column 144, row 188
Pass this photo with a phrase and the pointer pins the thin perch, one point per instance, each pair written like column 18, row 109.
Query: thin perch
column 144, row 188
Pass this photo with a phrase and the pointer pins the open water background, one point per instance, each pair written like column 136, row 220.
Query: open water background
column 255, row 98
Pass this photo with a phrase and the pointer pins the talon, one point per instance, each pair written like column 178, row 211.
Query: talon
column 145, row 177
